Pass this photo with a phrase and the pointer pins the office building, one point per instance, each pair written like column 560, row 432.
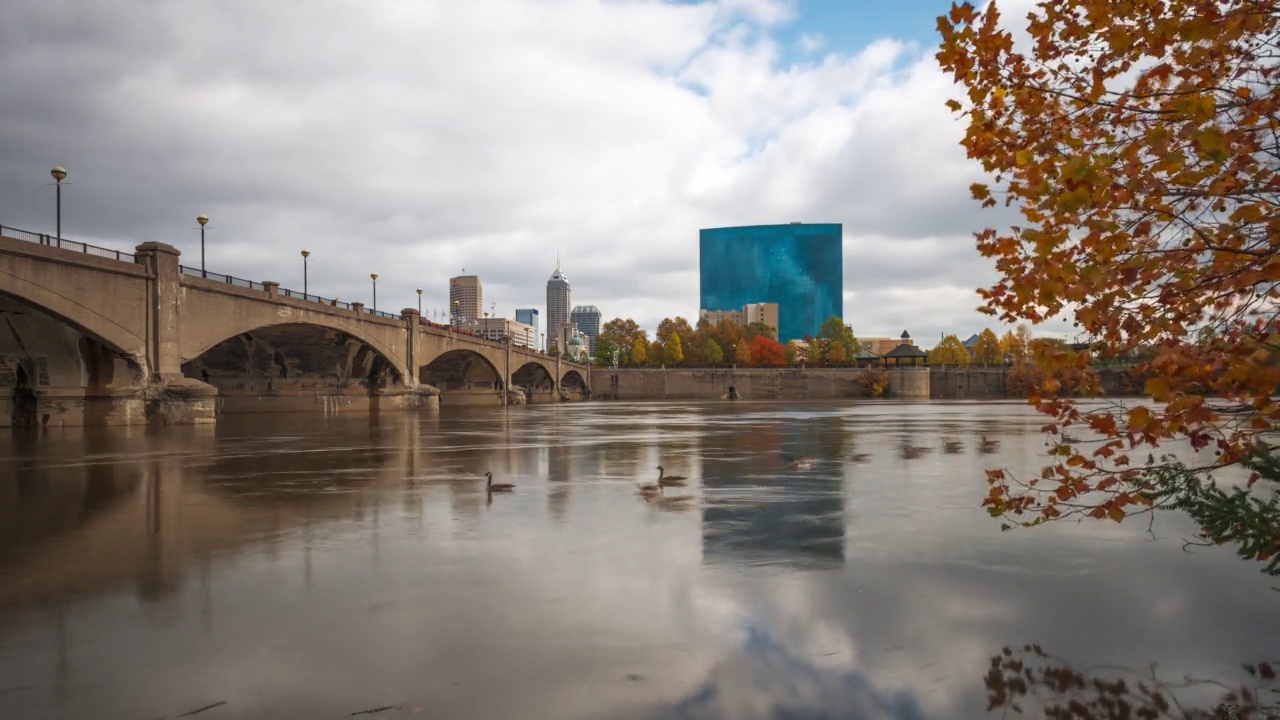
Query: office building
column 529, row 316
column 466, row 298
column 587, row 319
column 796, row 266
column 495, row 328
column 558, row 303
column 766, row 313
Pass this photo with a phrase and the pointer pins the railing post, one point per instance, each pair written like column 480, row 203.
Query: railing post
column 272, row 288
column 358, row 307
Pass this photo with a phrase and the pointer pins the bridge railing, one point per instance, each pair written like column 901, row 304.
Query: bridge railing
column 314, row 298
column 380, row 313
column 219, row 277
column 65, row 244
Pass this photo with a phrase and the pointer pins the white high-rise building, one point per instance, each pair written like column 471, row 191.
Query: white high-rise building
column 558, row 302
column 466, row 298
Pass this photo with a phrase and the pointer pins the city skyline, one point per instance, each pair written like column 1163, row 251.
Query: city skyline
column 717, row 113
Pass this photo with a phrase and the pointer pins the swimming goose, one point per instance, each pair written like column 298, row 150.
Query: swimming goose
column 988, row 446
column 952, row 446
column 861, row 457
column 493, row 487
column 910, row 452
column 669, row 481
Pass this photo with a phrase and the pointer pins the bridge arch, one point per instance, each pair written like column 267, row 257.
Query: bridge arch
column 573, row 383
column 463, row 377
column 79, row 316
column 294, row 357
column 537, row 381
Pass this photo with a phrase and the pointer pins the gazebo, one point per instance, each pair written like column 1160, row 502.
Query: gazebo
column 906, row 353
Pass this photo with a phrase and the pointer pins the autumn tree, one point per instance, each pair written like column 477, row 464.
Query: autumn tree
column 639, row 350
column 790, row 354
column 1137, row 141
column 987, row 349
column 766, row 352
column 713, row 353
column 835, row 355
column 949, row 352
column 672, row 353
column 673, row 326
column 623, row 331
column 742, row 354
column 656, row 354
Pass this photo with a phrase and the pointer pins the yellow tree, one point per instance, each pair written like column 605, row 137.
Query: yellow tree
column 836, row 354
column 987, row 349
column 742, row 353
column 672, row 352
column 639, row 350
column 949, row 352
column 1138, row 142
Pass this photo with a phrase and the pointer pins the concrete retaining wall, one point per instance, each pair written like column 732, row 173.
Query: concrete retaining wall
column 751, row 383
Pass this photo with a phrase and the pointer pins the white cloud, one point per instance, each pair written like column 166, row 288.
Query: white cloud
column 413, row 140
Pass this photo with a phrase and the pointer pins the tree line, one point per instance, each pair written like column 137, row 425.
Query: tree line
column 725, row 342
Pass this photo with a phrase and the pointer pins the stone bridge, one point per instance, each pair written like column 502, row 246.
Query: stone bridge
column 99, row 337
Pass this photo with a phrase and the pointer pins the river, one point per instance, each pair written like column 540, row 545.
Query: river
column 312, row 567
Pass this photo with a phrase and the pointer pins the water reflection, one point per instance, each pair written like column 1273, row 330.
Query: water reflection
column 304, row 567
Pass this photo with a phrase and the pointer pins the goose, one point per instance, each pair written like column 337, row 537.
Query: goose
column 988, row 446
column 494, row 487
column 802, row 463
column 669, row 481
column 861, row 457
column 910, row 451
column 952, row 446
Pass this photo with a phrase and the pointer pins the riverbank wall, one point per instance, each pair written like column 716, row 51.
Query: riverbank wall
column 751, row 383
column 963, row 382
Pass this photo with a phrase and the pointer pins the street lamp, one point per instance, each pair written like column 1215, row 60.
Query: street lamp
column 374, row 277
column 203, row 221
column 419, row 302
column 59, row 175
column 305, row 254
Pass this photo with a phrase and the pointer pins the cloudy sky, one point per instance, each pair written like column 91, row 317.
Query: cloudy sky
column 418, row 138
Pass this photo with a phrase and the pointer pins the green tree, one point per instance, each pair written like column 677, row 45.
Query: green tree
column 713, row 352
column 987, row 349
column 835, row 330
column 742, row 353
column 949, row 352
column 606, row 349
column 672, row 353
column 758, row 328
column 639, row 350
column 790, row 354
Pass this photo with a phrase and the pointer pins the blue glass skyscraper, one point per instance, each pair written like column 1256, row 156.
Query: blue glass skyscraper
column 798, row 265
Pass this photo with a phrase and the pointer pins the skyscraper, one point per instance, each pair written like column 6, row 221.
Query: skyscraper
column 465, row 290
column 798, row 266
column 587, row 318
column 529, row 316
column 558, row 303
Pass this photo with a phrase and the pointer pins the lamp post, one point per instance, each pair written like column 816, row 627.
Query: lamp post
column 59, row 175
column 305, row 254
column 203, row 220
column 374, row 277
column 453, row 315
column 419, row 302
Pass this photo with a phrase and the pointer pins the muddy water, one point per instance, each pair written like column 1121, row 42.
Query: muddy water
column 310, row 567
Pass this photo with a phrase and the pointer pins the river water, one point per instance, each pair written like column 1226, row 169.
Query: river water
column 302, row 566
